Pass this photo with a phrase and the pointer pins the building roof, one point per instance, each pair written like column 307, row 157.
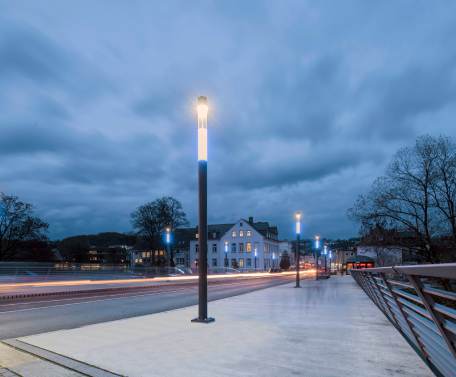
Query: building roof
column 360, row 258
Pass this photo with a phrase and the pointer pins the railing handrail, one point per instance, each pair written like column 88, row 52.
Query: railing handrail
column 416, row 309
column 444, row 270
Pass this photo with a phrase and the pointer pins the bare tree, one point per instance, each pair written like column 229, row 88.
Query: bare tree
column 415, row 197
column 152, row 218
column 18, row 227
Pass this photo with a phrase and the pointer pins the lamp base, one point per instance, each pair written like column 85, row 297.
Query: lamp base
column 207, row 320
column 297, row 286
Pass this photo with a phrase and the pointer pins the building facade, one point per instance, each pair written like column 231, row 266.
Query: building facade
column 248, row 245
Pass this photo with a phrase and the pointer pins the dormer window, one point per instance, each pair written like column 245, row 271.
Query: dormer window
column 240, row 224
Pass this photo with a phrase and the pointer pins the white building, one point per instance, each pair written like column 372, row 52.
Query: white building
column 286, row 250
column 242, row 239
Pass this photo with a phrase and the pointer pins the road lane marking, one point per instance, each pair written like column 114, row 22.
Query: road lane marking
column 109, row 299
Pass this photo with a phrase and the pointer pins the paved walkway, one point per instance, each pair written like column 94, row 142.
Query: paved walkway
column 327, row 328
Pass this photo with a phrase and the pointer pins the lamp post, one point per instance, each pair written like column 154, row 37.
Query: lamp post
column 167, row 246
column 326, row 270
column 330, row 257
column 317, row 245
column 226, row 256
column 254, row 259
column 298, row 234
column 202, row 211
column 273, row 259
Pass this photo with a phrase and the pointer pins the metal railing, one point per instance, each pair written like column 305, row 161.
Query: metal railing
column 420, row 302
column 62, row 272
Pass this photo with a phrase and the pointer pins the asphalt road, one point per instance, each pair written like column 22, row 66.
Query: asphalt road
column 36, row 315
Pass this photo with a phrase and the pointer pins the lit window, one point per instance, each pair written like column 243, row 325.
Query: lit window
column 241, row 247
column 197, row 248
column 249, row 262
column 248, row 233
column 136, row 260
column 156, row 252
column 214, row 247
column 241, row 233
column 241, row 262
column 233, row 234
column 144, row 254
column 233, row 247
column 197, row 235
column 214, row 262
column 249, row 247
column 140, row 261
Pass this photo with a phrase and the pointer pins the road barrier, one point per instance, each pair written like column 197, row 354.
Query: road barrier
column 62, row 272
column 420, row 302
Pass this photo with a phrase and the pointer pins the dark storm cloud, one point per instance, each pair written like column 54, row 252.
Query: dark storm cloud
column 307, row 102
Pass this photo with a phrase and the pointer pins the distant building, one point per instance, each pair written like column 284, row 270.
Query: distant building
column 286, row 251
column 109, row 255
column 243, row 238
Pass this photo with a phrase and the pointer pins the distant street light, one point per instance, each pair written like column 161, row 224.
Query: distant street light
column 330, row 257
column 168, row 252
column 226, row 256
column 326, row 270
column 254, row 260
column 298, row 234
column 273, row 258
column 317, row 245
column 202, row 211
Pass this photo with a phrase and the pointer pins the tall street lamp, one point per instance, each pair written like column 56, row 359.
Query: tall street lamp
column 226, row 256
column 273, row 259
column 317, row 245
column 298, row 233
column 167, row 246
column 326, row 270
column 202, row 211
column 330, row 257
column 254, row 260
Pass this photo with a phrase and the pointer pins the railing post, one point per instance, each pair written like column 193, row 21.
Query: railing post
column 372, row 290
column 385, row 301
column 437, row 317
column 15, row 274
column 404, row 316
column 49, row 271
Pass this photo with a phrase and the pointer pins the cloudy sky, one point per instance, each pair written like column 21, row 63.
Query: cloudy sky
column 308, row 101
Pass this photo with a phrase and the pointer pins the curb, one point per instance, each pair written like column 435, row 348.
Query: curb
column 9, row 297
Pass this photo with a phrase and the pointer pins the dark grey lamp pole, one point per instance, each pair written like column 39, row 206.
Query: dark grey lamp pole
column 298, row 232
column 202, row 209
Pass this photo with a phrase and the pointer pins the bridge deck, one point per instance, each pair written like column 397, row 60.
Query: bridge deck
column 327, row 328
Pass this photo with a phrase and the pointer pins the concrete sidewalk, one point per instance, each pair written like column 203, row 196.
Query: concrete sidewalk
column 326, row 328
column 20, row 290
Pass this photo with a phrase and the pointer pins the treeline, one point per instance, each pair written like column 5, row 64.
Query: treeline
column 75, row 248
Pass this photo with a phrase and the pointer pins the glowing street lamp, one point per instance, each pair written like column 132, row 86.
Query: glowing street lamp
column 254, row 260
column 167, row 246
column 273, row 258
column 226, row 256
column 202, row 211
column 330, row 257
column 317, row 246
column 298, row 233
column 326, row 270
